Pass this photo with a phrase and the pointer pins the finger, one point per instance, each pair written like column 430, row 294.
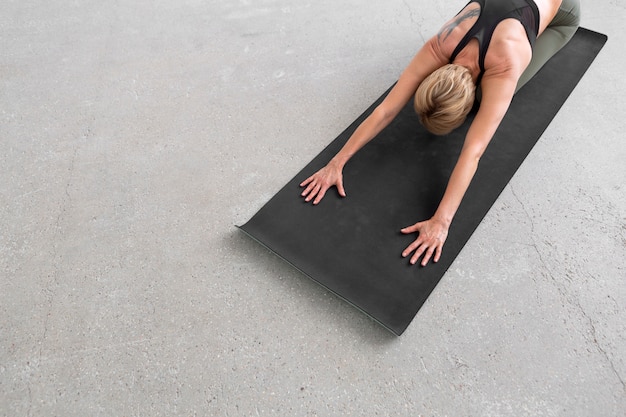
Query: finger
column 342, row 192
column 411, row 248
column 437, row 254
column 419, row 247
column 428, row 255
column 316, row 189
column 320, row 194
column 411, row 229
column 305, row 182
column 308, row 189
column 417, row 254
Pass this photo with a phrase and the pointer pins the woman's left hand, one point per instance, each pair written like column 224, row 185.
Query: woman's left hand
column 431, row 236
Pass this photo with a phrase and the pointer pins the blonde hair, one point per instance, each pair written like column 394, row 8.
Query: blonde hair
column 444, row 99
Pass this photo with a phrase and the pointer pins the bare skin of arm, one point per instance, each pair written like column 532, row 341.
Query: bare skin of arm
column 432, row 233
column 507, row 57
column 498, row 87
column 428, row 59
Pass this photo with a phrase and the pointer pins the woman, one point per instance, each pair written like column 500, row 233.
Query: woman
column 495, row 44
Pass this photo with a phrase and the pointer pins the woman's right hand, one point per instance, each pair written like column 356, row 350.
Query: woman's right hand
column 318, row 183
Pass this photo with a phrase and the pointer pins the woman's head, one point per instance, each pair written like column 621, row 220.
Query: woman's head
column 444, row 99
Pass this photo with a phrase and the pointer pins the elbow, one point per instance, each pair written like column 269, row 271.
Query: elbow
column 476, row 155
column 382, row 115
column 476, row 148
column 471, row 157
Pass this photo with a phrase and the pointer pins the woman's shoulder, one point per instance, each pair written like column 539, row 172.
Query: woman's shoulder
column 453, row 31
column 509, row 50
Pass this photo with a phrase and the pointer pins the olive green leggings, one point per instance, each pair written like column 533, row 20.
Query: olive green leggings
column 556, row 35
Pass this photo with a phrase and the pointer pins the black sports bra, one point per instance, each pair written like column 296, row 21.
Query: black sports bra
column 492, row 12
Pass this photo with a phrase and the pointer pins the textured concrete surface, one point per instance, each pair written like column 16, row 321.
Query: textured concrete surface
column 134, row 135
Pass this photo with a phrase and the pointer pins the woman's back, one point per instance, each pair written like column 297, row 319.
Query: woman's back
column 504, row 32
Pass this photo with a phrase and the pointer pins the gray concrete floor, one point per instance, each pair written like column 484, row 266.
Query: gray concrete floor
column 136, row 134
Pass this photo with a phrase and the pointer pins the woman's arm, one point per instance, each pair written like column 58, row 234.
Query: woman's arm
column 428, row 59
column 497, row 94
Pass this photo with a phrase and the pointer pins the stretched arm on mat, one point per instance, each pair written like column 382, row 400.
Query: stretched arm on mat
column 498, row 90
column 425, row 62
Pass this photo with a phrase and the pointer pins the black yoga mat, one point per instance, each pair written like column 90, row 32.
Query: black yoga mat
column 352, row 246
